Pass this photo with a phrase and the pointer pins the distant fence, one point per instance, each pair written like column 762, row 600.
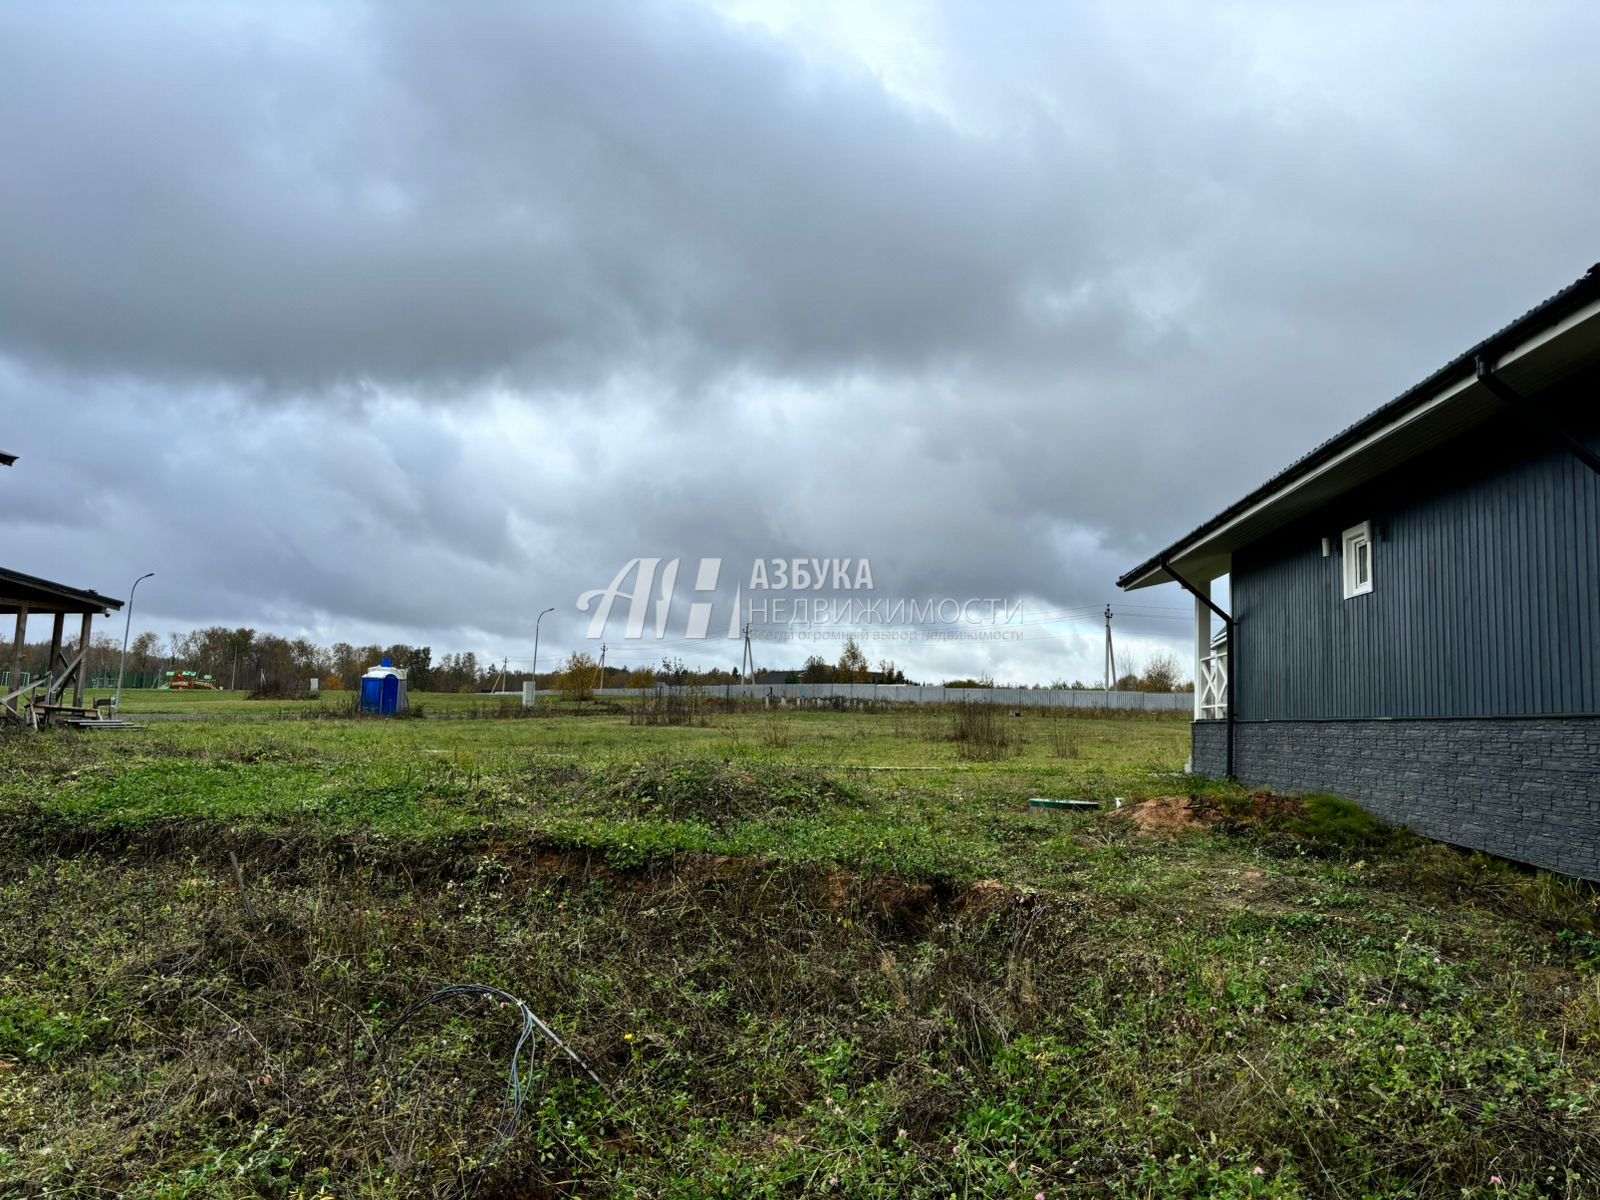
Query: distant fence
column 97, row 679
column 131, row 680
column 889, row 693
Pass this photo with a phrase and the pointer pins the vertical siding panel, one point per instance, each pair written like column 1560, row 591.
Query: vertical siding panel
column 1544, row 589
column 1516, row 616
column 1468, row 565
column 1588, row 521
column 1580, row 588
column 1569, row 534
column 1486, row 649
column 1508, row 575
column 1403, row 574
column 1490, row 596
column 1538, row 590
column 1418, row 583
column 1579, row 533
column 1485, row 601
column 1444, row 571
column 1447, row 571
column 1428, row 644
column 1450, row 560
column 1429, row 650
column 1538, row 486
column 1489, row 588
column 1402, row 568
column 1563, row 490
column 1455, row 564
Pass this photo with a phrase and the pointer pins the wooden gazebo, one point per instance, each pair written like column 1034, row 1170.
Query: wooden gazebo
column 42, row 699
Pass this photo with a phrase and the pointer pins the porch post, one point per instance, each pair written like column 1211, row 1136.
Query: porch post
column 16, row 647
column 83, row 662
column 55, row 657
column 1202, row 644
column 16, row 661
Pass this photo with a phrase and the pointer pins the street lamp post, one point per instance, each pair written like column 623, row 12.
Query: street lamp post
column 534, row 682
column 127, row 624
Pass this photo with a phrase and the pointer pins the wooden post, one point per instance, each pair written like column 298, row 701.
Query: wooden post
column 1202, row 645
column 16, row 656
column 55, row 658
column 83, row 661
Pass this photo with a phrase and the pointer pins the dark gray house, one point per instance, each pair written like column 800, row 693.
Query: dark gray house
column 1413, row 611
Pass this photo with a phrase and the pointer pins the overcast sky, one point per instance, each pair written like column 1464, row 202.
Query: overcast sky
column 407, row 321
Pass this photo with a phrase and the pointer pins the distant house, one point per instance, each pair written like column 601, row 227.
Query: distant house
column 1413, row 610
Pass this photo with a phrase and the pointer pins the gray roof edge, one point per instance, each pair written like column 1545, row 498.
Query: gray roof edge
column 1570, row 298
column 81, row 595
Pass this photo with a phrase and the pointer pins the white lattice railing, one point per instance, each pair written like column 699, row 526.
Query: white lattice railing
column 1214, row 686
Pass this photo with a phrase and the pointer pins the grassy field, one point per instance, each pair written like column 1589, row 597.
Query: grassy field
column 145, row 701
column 809, row 954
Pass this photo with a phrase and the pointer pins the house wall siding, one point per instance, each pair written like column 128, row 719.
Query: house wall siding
column 1523, row 789
column 1485, row 601
column 1461, row 696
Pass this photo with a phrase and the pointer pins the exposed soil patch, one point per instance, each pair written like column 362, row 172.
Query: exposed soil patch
column 1162, row 816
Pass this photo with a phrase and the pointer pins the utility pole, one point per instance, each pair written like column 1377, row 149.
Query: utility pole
column 747, row 661
column 1111, row 656
column 602, row 672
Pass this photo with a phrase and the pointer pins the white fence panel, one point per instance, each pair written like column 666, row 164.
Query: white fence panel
column 808, row 693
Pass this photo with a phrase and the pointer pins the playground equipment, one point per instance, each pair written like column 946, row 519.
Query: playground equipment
column 187, row 681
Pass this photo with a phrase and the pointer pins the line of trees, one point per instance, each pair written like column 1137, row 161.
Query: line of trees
column 254, row 661
column 257, row 661
column 265, row 662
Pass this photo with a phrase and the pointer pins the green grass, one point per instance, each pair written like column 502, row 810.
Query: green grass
column 145, row 701
column 934, row 812
column 813, row 953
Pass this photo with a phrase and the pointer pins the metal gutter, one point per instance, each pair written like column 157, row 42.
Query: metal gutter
column 1537, row 412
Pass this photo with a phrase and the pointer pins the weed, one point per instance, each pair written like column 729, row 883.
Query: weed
column 980, row 731
column 775, row 733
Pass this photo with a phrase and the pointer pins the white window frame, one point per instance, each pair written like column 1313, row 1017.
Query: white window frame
column 1350, row 544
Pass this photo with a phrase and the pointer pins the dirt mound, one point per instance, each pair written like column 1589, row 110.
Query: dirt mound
column 720, row 793
column 988, row 896
column 1162, row 816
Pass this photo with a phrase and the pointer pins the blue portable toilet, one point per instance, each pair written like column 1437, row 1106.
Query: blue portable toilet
column 383, row 690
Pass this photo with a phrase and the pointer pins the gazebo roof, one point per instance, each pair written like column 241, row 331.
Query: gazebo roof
column 46, row 596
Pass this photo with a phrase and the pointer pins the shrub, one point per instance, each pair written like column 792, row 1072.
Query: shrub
column 979, row 731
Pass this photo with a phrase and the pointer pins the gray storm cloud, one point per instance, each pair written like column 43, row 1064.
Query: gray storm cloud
column 300, row 301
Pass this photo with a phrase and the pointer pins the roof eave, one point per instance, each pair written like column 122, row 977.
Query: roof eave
column 1545, row 344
